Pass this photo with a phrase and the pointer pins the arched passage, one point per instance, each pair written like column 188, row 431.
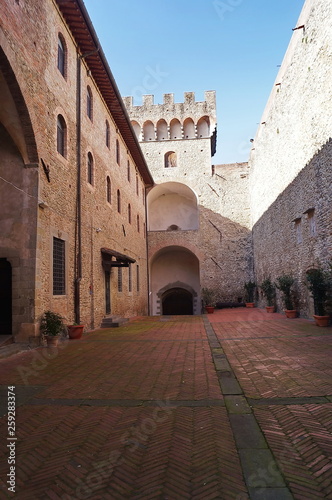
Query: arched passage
column 172, row 204
column 175, row 282
column 19, row 205
column 177, row 301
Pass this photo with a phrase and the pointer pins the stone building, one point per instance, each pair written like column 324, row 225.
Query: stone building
column 291, row 160
column 72, row 175
column 198, row 214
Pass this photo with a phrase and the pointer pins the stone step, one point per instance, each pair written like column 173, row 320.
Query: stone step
column 113, row 322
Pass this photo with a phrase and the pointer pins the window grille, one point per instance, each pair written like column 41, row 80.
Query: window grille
column 59, row 281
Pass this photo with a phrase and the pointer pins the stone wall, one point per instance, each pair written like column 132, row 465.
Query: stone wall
column 290, row 163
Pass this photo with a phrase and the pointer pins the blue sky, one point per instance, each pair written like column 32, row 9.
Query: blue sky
column 177, row 46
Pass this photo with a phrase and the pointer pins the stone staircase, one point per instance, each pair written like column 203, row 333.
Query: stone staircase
column 113, row 322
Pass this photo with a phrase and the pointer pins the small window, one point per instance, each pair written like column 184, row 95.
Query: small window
column 143, row 196
column 312, row 222
column 118, row 195
column 137, row 278
column 61, row 136
column 130, row 279
column 89, row 103
column 298, row 228
column 59, row 275
column 119, row 279
column 61, row 55
column 107, row 134
column 138, row 223
column 144, row 229
column 90, row 169
column 108, row 190
column 137, row 185
column 128, row 171
column 117, row 152
column 170, row 159
column 129, row 213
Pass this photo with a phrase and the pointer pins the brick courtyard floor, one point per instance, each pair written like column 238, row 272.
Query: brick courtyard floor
column 234, row 405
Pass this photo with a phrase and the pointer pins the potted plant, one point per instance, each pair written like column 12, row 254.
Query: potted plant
column 75, row 331
column 319, row 284
column 209, row 299
column 269, row 292
column 284, row 284
column 51, row 326
column 249, row 287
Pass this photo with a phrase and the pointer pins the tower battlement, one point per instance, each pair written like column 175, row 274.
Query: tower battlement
column 173, row 120
column 189, row 108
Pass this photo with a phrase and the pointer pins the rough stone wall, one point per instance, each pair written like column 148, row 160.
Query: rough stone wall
column 294, row 234
column 290, row 162
column 47, row 94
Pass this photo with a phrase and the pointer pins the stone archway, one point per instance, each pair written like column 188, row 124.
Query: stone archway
column 177, row 301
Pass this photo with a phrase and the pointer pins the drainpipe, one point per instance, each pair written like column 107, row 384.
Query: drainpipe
column 78, row 229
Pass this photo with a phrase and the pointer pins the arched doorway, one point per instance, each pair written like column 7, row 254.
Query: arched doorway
column 177, row 301
column 5, row 297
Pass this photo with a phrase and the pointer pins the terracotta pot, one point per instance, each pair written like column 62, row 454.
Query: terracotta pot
column 250, row 304
column 52, row 340
column 209, row 309
column 75, row 331
column 291, row 313
column 322, row 320
column 269, row 309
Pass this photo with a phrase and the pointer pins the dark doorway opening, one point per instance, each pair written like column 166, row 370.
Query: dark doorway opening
column 5, row 297
column 108, row 291
column 177, row 301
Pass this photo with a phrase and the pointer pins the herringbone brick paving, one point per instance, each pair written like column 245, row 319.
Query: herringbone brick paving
column 172, row 449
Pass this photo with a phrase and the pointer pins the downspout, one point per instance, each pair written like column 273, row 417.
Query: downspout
column 78, row 243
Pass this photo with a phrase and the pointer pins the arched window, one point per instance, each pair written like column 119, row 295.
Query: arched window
column 128, row 171
column 129, row 213
column 107, row 134
column 162, row 132
column 137, row 223
column 189, row 129
column 90, row 169
column 203, row 127
column 170, row 159
column 148, row 131
column 118, row 197
column 117, row 152
column 62, row 54
column 89, row 103
column 61, row 136
column 176, row 132
column 108, row 190
column 137, row 130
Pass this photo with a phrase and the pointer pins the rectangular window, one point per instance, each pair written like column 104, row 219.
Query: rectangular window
column 298, row 227
column 137, row 277
column 312, row 222
column 130, row 279
column 119, row 279
column 59, row 268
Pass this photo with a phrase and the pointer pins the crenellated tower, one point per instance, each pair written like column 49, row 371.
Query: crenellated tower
column 185, row 226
